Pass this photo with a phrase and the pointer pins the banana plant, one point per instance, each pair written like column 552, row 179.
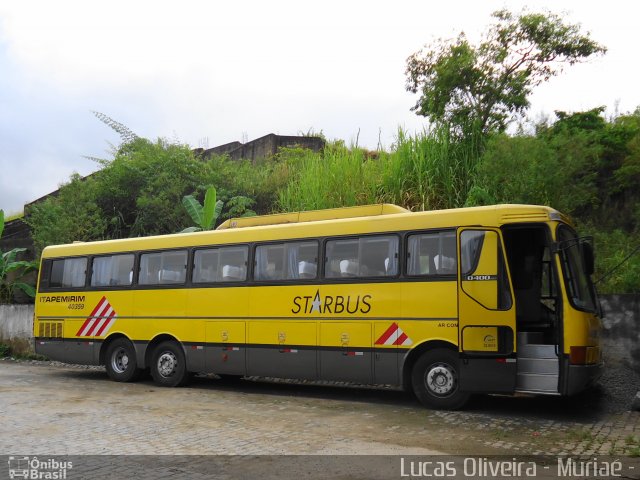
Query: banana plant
column 19, row 268
column 204, row 216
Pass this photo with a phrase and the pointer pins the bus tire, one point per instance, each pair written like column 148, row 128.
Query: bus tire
column 435, row 379
column 169, row 366
column 121, row 362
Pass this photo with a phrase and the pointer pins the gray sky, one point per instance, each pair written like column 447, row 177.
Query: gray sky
column 206, row 73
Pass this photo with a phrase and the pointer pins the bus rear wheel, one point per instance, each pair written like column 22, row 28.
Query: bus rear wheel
column 169, row 366
column 121, row 363
column 436, row 382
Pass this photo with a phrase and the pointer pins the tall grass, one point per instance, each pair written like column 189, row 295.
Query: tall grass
column 431, row 170
column 336, row 177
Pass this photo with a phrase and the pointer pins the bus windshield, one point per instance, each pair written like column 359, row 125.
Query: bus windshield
column 579, row 287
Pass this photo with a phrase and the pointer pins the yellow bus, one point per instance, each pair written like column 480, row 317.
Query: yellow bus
column 447, row 303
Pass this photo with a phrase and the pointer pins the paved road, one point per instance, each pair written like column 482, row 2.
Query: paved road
column 49, row 409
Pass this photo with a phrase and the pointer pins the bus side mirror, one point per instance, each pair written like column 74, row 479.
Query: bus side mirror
column 587, row 256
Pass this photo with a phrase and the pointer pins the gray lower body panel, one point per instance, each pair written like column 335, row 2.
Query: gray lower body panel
column 52, row 349
column 349, row 365
column 225, row 359
column 82, row 352
column 488, row 375
column 283, row 362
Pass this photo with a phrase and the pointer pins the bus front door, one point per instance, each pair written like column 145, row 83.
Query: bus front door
column 487, row 320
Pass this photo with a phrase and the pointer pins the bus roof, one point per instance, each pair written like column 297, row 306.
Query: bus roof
column 318, row 223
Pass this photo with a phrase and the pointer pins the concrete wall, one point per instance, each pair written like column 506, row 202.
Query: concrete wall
column 16, row 322
column 621, row 335
column 263, row 147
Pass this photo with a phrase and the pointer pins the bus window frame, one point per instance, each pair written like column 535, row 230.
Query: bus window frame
column 111, row 287
column 438, row 277
column 191, row 266
column 49, row 269
column 284, row 281
column 565, row 279
column 357, row 279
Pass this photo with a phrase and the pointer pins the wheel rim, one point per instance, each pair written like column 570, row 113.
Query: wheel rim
column 167, row 364
column 440, row 380
column 120, row 360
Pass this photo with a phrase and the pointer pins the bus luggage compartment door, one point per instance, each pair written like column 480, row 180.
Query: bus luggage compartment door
column 284, row 349
column 225, row 349
column 345, row 352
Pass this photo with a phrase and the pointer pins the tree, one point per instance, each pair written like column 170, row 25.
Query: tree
column 12, row 271
column 485, row 86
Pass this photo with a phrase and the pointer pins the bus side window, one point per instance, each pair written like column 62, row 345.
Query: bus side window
column 68, row 273
column 205, row 265
column 269, row 262
column 163, row 268
column 113, row 270
column 431, row 254
column 286, row 261
column 371, row 256
column 301, row 260
column 341, row 258
column 232, row 266
column 378, row 256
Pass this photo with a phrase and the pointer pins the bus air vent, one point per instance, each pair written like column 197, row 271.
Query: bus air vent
column 50, row 330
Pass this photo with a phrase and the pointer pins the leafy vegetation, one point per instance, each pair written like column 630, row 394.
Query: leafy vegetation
column 582, row 164
column 139, row 192
column 206, row 215
column 483, row 86
column 13, row 270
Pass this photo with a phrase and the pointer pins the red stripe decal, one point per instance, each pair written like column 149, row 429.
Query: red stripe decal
column 401, row 339
column 92, row 315
column 385, row 336
column 106, row 322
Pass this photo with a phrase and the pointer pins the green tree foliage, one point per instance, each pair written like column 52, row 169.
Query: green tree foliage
column 585, row 166
column 139, row 192
column 483, row 86
column 13, row 270
column 72, row 215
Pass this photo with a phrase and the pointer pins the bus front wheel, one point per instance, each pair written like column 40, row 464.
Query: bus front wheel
column 436, row 382
column 169, row 366
column 121, row 363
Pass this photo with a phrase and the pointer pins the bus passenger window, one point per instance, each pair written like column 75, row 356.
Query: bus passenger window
column 114, row 270
column 432, row 254
column 232, row 266
column 205, row 266
column 286, row 261
column 302, row 260
column 163, row 268
column 68, row 273
column 341, row 258
column 375, row 256
column 270, row 262
column 378, row 256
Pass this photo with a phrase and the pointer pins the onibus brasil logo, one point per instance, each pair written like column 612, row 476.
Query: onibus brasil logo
column 35, row 468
